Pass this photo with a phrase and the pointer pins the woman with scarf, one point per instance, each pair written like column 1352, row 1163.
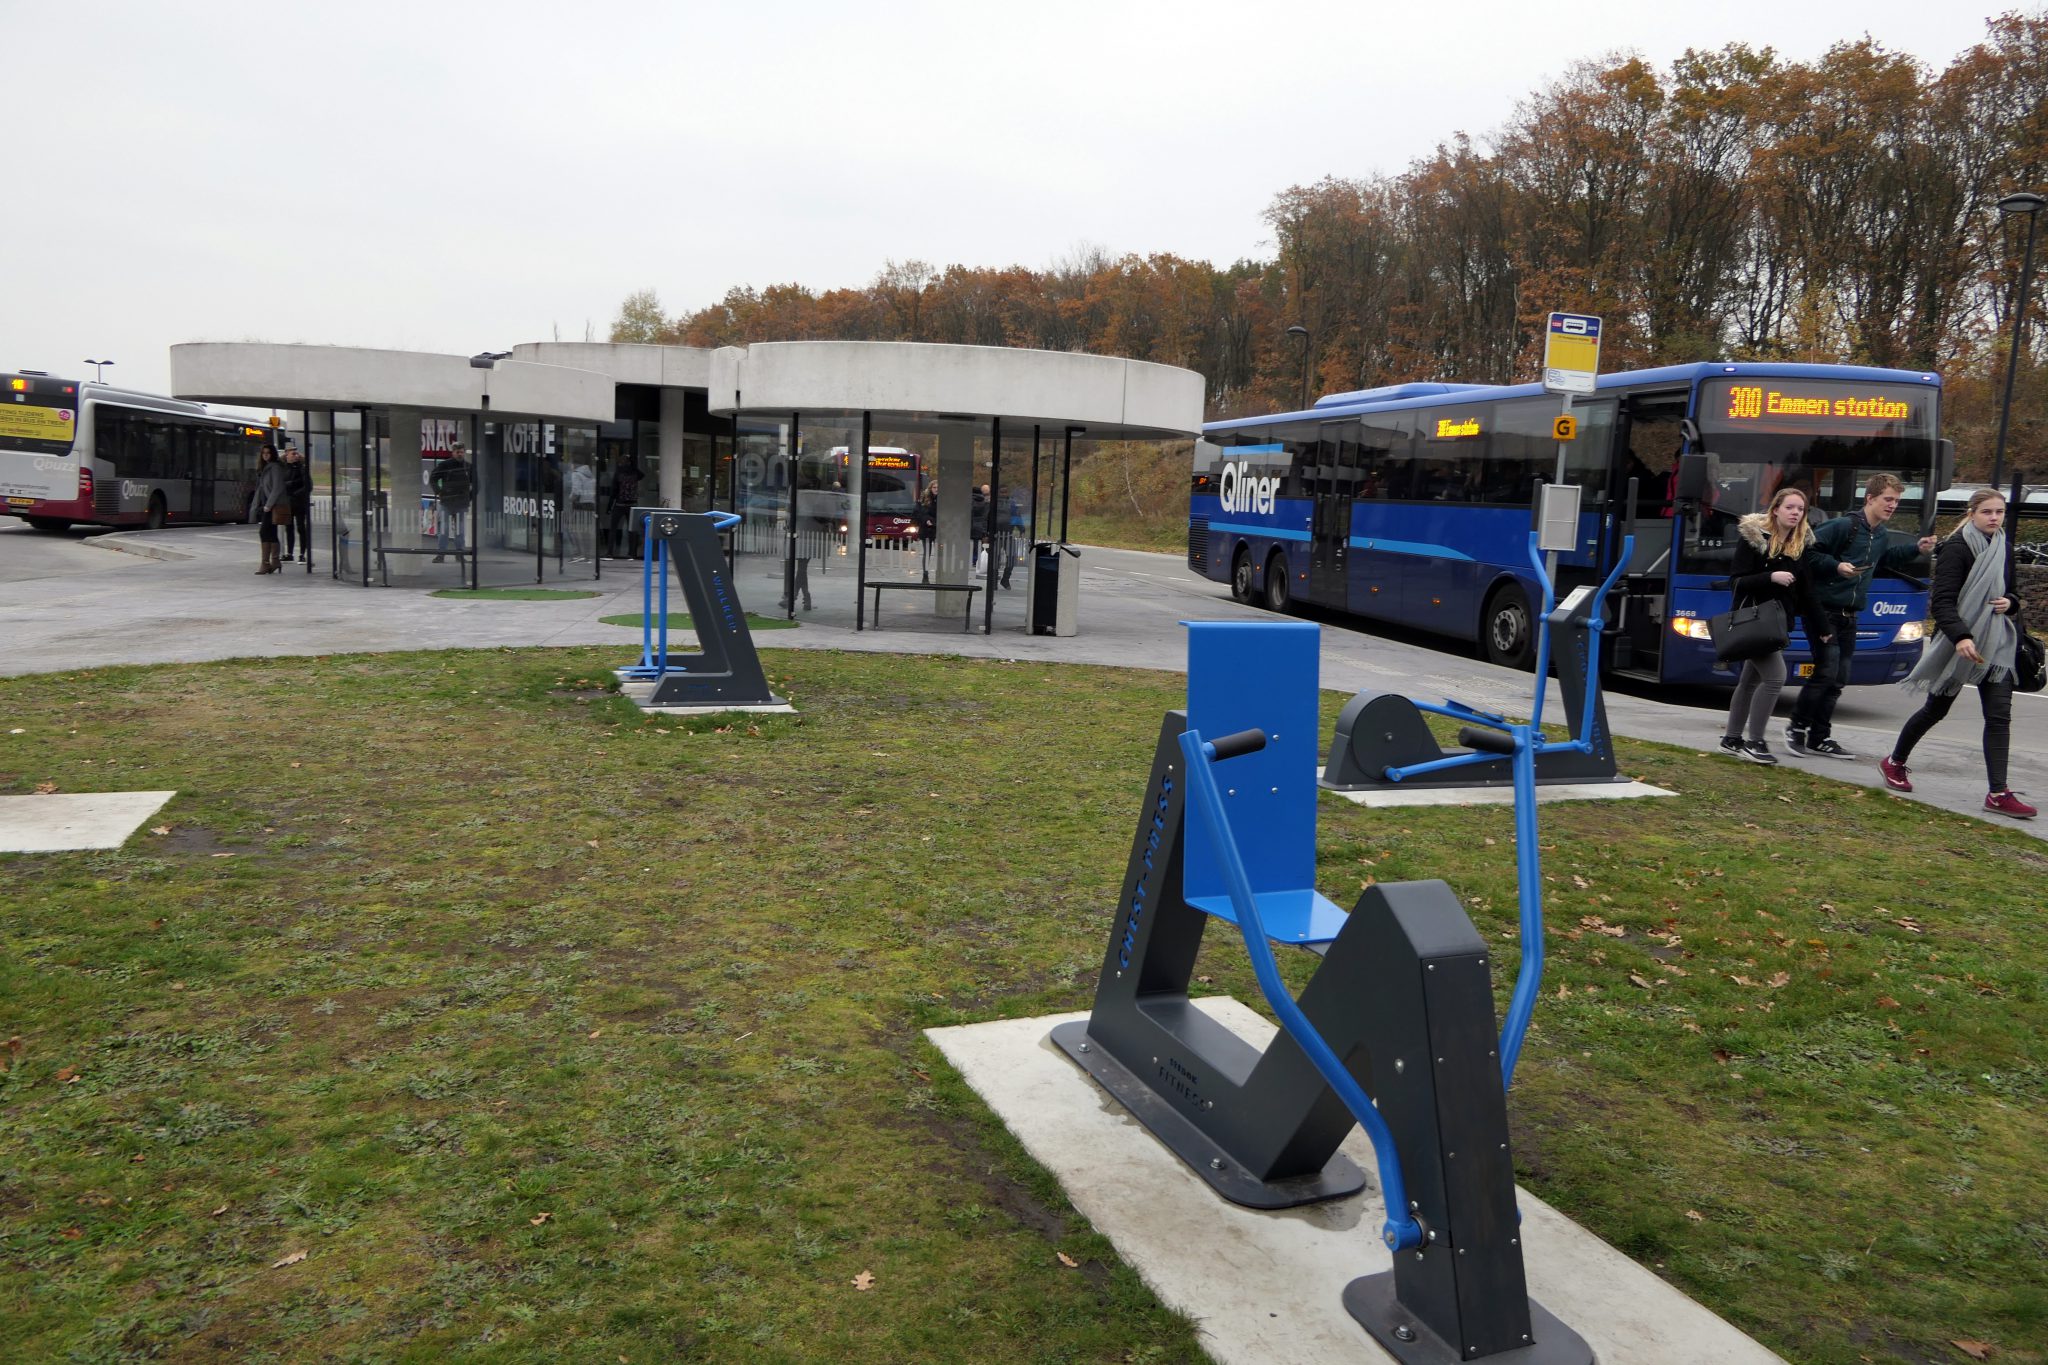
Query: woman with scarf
column 270, row 506
column 1767, row 568
column 1974, row 607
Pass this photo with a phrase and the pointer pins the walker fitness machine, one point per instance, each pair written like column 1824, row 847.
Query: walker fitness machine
column 1394, row 1031
column 1382, row 740
column 727, row 672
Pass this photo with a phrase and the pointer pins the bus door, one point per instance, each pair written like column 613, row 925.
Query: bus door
column 1330, row 487
column 1648, row 443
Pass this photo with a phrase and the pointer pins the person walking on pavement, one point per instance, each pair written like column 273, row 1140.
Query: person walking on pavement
column 1977, row 630
column 269, row 507
column 625, row 496
column 454, row 484
column 1845, row 554
column 298, row 488
column 1767, row 569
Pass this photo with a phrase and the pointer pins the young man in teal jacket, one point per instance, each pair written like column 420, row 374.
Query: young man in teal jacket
column 1844, row 554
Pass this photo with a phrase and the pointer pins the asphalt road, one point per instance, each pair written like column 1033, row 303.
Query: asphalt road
column 79, row 600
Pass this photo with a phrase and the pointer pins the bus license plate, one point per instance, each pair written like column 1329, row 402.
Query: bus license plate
column 21, row 502
column 1805, row 670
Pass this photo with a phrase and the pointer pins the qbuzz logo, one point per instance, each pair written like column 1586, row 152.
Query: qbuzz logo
column 51, row 464
column 1889, row 609
column 130, row 489
column 1240, row 490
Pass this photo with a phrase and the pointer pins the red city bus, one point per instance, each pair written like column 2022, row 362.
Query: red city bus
column 895, row 478
column 90, row 453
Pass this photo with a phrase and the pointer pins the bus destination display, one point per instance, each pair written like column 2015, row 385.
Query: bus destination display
column 1783, row 402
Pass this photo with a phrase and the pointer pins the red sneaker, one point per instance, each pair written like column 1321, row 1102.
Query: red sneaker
column 2008, row 802
column 1894, row 774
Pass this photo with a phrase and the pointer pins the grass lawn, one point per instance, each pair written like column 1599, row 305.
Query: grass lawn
column 480, row 1017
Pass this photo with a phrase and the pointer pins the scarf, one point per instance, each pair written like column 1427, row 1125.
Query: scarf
column 1943, row 672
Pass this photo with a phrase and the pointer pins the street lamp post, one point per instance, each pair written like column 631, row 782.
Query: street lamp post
column 99, row 370
column 1301, row 332
column 2029, row 205
column 485, row 361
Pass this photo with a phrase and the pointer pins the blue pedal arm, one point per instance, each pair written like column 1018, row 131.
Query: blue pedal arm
column 1400, row 1231
column 723, row 521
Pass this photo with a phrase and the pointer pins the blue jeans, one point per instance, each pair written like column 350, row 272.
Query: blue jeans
column 448, row 526
column 1814, row 711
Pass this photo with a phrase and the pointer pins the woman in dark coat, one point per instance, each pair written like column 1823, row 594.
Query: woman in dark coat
column 1976, row 641
column 268, row 496
column 1767, row 569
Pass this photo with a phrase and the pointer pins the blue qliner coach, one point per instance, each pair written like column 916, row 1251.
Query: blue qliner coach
column 1411, row 504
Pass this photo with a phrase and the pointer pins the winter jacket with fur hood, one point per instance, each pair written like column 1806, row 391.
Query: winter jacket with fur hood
column 1750, row 577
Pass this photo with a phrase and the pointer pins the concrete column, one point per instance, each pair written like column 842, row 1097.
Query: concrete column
column 954, row 547
column 403, row 477
column 670, row 444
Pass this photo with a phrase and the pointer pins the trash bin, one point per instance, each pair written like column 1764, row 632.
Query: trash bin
column 1055, row 598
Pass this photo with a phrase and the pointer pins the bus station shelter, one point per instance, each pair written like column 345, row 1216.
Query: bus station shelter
column 566, row 437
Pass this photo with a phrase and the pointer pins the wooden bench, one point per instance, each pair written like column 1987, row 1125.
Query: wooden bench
column 968, row 589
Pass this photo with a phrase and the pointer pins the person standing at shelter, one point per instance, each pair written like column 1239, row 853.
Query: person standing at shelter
column 626, row 478
column 582, row 508
column 268, row 506
column 298, row 487
column 454, row 485
column 1767, row 569
column 1976, row 642
column 1844, row 555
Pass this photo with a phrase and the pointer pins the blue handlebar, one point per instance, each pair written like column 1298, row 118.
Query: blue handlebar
column 723, row 521
column 1400, row 1231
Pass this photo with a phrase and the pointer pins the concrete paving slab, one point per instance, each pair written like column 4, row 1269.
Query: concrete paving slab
column 639, row 692
column 1266, row 1287
column 64, row 821
column 1503, row 796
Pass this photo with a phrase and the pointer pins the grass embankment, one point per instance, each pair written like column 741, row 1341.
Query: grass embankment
column 546, row 1032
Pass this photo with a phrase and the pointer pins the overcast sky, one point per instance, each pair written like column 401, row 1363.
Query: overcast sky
column 447, row 177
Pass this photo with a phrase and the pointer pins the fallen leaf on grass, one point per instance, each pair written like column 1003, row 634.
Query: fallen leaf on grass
column 12, row 1048
column 1067, row 1261
column 538, row 1219
column 1638, row 980
column 45, row 788
column 1779, row 979
column 864, row 1280
column 222, row 855
column 73, row 1234
column 1885, row 1002
column 1696, row 1215
column 218, row 1212
column 68, row 1075
column 159, row 829
column 283, row 1261
column 1975, row 1350
column 295, row 763
column 17, row 730
column 595, row 1032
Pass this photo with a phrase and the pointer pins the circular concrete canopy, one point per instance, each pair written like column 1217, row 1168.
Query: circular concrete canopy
column 262, row 374
column 919, row 386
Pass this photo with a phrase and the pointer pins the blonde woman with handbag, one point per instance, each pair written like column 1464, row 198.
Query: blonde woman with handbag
column 1767, row 569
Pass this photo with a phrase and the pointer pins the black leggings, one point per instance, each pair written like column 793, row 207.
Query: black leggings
column 1996, row 698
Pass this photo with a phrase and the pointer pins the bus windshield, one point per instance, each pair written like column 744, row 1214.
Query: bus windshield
column 1823, row 437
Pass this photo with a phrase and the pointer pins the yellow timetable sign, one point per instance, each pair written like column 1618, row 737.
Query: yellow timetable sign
column 1571, row 353
column 20, row 422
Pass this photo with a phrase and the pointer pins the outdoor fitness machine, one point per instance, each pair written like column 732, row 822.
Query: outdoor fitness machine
column 1395, row 1030
column 1382, row 740
column 727, row 671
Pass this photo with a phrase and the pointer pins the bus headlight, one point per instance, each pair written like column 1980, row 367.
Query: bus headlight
column 1691, row 627
column 1913, row 630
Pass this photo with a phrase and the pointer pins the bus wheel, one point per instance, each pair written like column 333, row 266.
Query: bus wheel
column 1241, row 575
column 1505, row 630
column 48, row 523
column 1276, row 583
column 157, row 513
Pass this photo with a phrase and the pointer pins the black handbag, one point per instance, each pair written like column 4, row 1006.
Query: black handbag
column 1749, row 632
column 2029, row 663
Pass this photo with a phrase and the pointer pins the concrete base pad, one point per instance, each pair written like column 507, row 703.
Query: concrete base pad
column 1502, row 796
column 639, row 692
column 64, row 821
column 1266, row 1287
